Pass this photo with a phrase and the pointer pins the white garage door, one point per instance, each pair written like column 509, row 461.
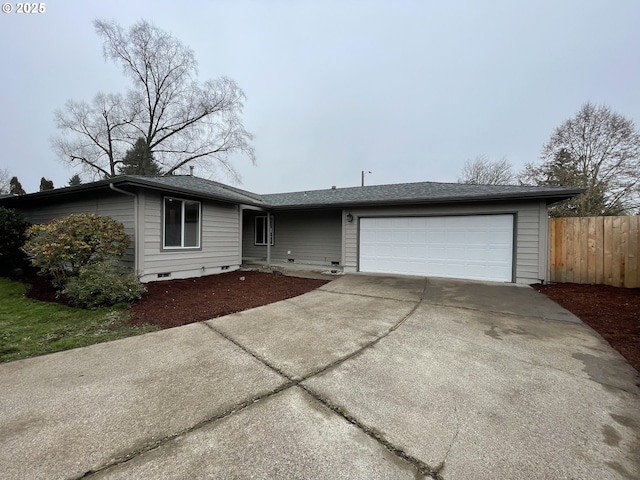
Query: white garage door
column 478, row 247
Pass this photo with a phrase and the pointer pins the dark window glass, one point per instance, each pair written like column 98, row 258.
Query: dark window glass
column 172, row 222
column 181, row 223
column 262, row 230
column 191, row 224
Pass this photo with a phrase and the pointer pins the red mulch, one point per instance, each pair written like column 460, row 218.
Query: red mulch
column 173, row 303
column 611, row 311
column 178, row 302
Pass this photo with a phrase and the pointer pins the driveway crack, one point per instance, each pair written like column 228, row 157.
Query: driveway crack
column 442, row 464
column 421, row 467
column 370, row 344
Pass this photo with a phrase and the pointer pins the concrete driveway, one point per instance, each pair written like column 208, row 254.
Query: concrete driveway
column 369, row 377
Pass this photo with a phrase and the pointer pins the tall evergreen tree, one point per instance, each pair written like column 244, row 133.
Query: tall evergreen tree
column 46, row 184
column 75, row 180
column 139, row 160
column 15, row 187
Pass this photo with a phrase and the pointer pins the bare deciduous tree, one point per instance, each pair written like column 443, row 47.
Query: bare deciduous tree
column 5, row 178
column 482, row 171
column 598, row 150
column 95, row 135
column 183, row 122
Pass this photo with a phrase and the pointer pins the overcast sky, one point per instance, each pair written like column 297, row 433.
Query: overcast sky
column 409, row 90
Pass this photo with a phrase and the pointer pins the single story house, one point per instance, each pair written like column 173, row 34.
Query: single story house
column 183, row 226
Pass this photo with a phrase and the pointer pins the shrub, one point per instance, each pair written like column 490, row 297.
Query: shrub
column 66, row 244
column 103, row 284
column 12, row 236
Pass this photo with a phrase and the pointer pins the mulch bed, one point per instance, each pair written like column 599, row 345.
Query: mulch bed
column 178, row 302
column 611, row 311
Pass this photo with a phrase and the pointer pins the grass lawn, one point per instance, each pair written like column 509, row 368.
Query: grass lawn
column 30, row 327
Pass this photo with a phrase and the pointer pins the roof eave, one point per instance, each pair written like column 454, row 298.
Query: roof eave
column 184, row 191
column 548, row 197
column 125, row 181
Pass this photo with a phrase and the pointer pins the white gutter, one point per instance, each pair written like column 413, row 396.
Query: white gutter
column 136, row 230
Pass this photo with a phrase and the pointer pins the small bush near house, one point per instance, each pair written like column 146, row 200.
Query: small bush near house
column 12, row 236
column 65, row 245
column 103, row 284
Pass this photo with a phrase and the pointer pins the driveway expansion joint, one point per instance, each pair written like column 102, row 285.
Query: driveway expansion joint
column 162, row 441
column 421, row 467
column 364, row 295
column 264, row 361
column 502, row 312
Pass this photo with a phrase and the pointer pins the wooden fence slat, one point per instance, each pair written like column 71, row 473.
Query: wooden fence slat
column 631, row 266
column 624, row 243
column 599, row 221
column 591, row 250
column 583, row 265
column 595, row 250
column 607, row 253
column 562, row 250
column 616, row 262
column 568, row 245
column 552, row 251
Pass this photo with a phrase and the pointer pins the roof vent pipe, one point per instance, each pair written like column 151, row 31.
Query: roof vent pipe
column 191, row 170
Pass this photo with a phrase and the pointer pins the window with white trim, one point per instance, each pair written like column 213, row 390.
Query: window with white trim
column 181, row 223
column 262, row 230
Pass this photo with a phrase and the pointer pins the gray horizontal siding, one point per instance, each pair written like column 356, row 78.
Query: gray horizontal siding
column 110, row 204
column 220, row 245
column 313, row 237
column 530, row 254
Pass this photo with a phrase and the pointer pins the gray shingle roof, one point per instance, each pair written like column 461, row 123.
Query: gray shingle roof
column 175, row 184
column 402, row 193
column 423, row 192
column 194, row 185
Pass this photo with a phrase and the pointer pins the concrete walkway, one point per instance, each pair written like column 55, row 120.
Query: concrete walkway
column 368, row 377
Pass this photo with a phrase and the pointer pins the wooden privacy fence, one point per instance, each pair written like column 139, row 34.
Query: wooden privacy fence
column 596, row 250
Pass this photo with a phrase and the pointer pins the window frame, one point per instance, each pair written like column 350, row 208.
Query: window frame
column 183, row 202
column 264, row 235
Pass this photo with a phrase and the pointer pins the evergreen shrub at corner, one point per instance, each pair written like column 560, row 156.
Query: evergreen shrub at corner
column 63, row 246
column 12, row 236
column 103, row 284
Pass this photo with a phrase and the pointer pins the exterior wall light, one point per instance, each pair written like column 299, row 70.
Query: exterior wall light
column 349, row 218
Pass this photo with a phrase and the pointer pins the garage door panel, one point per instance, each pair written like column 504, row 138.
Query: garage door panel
column 475, row 247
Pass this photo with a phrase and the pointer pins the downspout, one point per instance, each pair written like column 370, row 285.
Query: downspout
column 269, row 236
column 135, row 222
